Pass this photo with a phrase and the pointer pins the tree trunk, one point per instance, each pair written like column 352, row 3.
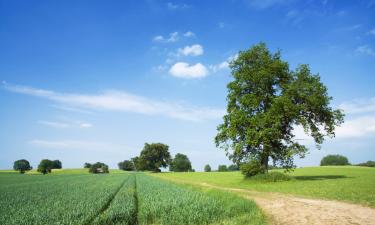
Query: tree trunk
column 264, row 163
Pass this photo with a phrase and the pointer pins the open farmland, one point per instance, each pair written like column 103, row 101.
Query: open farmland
column 116, row 198
column 343, row 183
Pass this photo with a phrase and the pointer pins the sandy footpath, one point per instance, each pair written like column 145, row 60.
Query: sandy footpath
column 287, row 209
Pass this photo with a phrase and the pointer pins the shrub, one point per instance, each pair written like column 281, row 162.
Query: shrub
column 368, row 164
column 271, row 177
column 99, row 167
column 222, row 168
column 22, row 165
column 251, row 168
column 334, row 160
column 207, row 168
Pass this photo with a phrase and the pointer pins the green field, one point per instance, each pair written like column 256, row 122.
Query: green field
column 76, row 197
column 343, row 183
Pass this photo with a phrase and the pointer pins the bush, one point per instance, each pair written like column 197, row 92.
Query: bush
column 368, row 164
column 99, row 168
column 271, row 177
column 334, row 160
column 207, row 168
column 251, row 168
column 222, row 168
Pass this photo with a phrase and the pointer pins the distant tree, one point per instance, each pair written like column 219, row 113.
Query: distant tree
column 126, row 165
column 266, row 100
column 153, row 156
column 136, row 163
column 22, row 165
column 180, row 163
column 57, row 164
column 233, row 167
column 222, row 168
column 368, row 164
column 207, row 168
column 334, row 160
column 87, row 165
column 99, row 167
column 45, row 166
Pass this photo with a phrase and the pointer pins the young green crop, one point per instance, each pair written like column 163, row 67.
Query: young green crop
column 123, row 208
column 161, row 202
column 63, row 199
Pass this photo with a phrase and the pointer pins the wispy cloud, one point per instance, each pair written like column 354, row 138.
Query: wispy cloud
column 185, row 70
column 359, row 106
column 366, row 50
column 372, row 32
column 175, row 6
column 263, row 4
column 57, row 124
column 223, row 65
column 189, row 34
column 124, row 102
column 173, row 37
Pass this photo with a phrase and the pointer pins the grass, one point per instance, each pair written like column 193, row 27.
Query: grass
column 72, row 196
column 344, row 183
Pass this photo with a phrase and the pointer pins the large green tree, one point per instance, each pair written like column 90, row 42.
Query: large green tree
column 180, row 163
column 22, row 165
column 126, row 165
column 266, row 101
column 153, row 157
column 45, row 166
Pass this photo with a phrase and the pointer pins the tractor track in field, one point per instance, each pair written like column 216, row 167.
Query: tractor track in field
column 107, row 204
column 287, row 209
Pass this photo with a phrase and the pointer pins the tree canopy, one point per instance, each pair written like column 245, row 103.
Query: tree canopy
column 266, row 101
column 222, row 168
column 45, row 166
column 207, row 168
column 22, row 165
column 126, row 165
column 99, row 167
column 153, row 157
column 180, row 163
column 334, row 160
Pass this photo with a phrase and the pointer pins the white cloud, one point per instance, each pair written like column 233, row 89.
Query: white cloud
column 173, row 37
column 223, row 65
column 55, row 124
column 194, row 50
column 125, row 102
column 189, row 34
column 359, row 106
column 184, row 70
column 359, row 127
column 365, row 49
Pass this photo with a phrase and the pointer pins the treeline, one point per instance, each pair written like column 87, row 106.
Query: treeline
column 155, row 156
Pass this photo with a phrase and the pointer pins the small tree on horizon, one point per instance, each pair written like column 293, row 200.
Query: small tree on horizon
column 207, row 168
column 180, row 163
column 45, row 166
column 222, row 168
column 99, row 167
column 126, row 165
column 22, row 166
column 87, row 165
column 266, row 101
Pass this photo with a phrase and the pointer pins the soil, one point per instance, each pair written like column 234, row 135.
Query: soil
column 291, row 210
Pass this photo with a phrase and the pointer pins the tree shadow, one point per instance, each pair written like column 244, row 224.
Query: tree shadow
column 324, row 177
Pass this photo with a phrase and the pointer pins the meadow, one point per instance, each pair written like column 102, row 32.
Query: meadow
column 344, row 183
column 76, row 197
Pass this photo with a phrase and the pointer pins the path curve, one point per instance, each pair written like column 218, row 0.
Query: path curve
column 284, row 209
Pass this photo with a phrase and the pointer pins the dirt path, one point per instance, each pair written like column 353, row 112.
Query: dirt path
column 285, row 209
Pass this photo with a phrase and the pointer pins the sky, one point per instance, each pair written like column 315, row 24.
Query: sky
column 86, row 81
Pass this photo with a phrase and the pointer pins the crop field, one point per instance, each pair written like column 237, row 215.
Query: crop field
column 344, row 183
column 116, row 198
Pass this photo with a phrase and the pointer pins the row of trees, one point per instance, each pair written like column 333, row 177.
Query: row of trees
column 45, row 165
column 155, row 156
column 222, row 168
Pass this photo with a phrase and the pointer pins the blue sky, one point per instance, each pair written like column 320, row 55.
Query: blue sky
column 86, row 81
